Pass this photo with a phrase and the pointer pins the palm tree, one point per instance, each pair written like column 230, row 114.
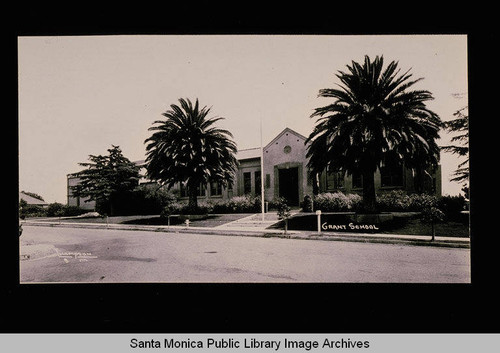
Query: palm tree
column 186, row 148
column 373, row 120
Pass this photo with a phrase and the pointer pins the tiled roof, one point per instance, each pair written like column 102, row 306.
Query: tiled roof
column 248, row 153
column 31, row 200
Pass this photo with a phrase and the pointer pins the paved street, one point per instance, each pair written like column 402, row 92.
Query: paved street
column 106, row 255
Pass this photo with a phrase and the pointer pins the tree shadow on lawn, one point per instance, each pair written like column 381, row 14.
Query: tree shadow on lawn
column 403, row 225
column 211, row 220
column 415, row 226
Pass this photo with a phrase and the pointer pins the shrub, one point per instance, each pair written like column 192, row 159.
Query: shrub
column 237, row 204
column 452, row 206
column 307, row 204
column 337, row 202
column 159, row 196
column 184, row 209
column 221, row 206
column 421, row 202
column 172, row 208
column 244, row 204
column 70, row 211
column 400, row 201
column 59, row 210
column 144, row 199
column 55, row 210
column 395, row 200
column 204, row 207
column 273, row 204
column 26, row 210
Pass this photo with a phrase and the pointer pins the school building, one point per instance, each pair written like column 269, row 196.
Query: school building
column 285, row 175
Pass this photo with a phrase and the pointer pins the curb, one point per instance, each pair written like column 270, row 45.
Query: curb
column 268, row 233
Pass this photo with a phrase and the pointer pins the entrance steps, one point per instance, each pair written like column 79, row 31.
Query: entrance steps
column 254, row 221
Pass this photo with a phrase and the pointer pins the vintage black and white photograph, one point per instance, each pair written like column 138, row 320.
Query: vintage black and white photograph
column 243, row 159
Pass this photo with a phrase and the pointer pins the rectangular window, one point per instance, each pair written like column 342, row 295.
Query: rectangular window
column 201, row 190
column 334, row 181
column 268, row 180
column 330, row 181
column 247, row 183
column 357, row 181
column 391, row 175
column 257, row 183
column 215, row 189
column 339, row 181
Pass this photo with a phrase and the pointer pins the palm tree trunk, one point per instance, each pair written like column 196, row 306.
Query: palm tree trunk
column 369, row 196
column 193, row 197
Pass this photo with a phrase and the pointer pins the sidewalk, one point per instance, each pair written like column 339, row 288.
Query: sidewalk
column 253, row 225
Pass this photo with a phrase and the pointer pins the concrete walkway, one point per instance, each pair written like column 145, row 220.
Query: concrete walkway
column 254, row 222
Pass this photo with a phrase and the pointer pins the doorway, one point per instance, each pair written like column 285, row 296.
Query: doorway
column 288, row 180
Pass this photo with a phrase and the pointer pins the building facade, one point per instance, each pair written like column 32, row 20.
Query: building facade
column 286, row 175
column 82, row 202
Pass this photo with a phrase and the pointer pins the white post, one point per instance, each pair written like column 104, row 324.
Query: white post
column 318, row 213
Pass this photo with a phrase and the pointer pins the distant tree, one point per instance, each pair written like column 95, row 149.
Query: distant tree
column 55, row 209
column 22, row 208
column 105, row 177
column 374, row 120
column 26, row 210
column 460, row 126
column 187, row 148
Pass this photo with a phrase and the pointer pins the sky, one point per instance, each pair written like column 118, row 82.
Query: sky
column 78, row 95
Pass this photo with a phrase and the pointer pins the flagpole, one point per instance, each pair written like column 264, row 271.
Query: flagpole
column 261, row 171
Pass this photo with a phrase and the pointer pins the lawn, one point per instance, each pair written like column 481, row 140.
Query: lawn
column 399, row 225
column 403, row 224
column 212, row 220
column 417, row 227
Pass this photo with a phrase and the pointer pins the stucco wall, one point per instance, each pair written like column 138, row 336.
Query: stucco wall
column 275, row 157
column 78, row 201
